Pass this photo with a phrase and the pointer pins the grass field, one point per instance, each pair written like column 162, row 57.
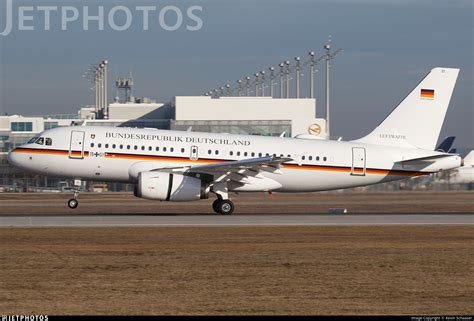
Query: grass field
column 415, row 270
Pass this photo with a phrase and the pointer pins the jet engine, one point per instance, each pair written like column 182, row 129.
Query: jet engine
column 170, row 187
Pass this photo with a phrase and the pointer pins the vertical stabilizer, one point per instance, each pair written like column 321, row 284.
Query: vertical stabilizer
column 416, row 122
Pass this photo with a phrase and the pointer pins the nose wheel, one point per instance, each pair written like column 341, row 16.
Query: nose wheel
column 224, row 207
column 72, row 203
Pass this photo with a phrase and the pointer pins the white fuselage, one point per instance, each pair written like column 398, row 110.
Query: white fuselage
column 115, row 154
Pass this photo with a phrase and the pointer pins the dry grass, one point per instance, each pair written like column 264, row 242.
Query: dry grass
column 118, row 203
column 279, row 270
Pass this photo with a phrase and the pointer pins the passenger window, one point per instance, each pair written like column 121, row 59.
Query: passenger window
column 182, row 150
column 157, row 148
column 324, row 159
column 238, row 153
column 164, row 149
column 231, row 153
column 209, row 152
column 121, row 146
column 40, row 141
column 171, row 149
column 149, row 148
column 259, row 154
column 217, row 152
column 92, row 144
column 128, row 146
column 310, row 157
column 253, row 154
column 245, row 154
column 106, row 145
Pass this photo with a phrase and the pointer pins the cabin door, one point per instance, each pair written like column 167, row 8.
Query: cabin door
column 358, row 161
column 76, row 146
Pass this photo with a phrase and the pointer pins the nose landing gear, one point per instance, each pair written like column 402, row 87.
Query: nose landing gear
column 73, row 202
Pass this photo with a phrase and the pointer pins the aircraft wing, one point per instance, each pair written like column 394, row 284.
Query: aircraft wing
column 233, row 170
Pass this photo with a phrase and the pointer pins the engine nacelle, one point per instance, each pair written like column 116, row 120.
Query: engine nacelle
column 170, row 187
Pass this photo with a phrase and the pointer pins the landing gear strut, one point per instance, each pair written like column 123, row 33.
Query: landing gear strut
column 73, row 202
column 224, row 207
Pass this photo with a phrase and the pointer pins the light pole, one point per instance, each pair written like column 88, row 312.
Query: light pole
column 248, row 85
column 329, row 56
column 287, row 63
column 282, row 74
column 298, row 72
column 272, row 77
column 256, row 83
column 311, row 74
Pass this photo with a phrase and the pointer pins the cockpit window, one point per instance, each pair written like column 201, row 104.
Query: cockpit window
column 40, row 141
column 48, row 141
column 31, row 141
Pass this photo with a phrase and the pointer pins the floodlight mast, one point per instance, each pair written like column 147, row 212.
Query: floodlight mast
column 272, row 78
column 257, row 75
column 298, row 73
column 328, row 56
column 282, row 74
column 288, row 71
column 104, row 81
column 311, row 73
column 262, row 73
column 248, row 85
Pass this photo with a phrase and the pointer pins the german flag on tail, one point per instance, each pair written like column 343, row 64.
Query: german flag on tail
column 427, row 93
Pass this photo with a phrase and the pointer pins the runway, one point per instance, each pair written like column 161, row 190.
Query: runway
column 234, row 220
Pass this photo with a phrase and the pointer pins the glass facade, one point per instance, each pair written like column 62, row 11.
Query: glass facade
column 50, row 124
column 239, row 127
column 22, row 126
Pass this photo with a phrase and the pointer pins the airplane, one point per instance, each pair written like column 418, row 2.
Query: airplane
column 465, row 173
column 178, row 166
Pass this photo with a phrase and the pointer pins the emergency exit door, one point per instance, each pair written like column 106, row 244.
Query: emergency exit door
column 76, row 146
column 358, row 161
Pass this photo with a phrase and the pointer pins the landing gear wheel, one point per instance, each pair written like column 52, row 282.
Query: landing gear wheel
column 72, row 203
column 215, row 206
column 226, row 207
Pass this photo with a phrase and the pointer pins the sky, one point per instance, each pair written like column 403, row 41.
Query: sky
column 388, row 47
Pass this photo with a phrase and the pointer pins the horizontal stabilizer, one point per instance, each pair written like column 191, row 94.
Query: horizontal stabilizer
column 431, row 158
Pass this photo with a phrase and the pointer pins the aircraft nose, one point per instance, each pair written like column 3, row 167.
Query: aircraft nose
column 15, row 158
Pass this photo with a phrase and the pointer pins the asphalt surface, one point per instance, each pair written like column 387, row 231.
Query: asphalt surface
column 235, row 220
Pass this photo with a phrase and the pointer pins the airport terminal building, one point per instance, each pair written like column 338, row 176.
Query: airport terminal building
column 236, row 115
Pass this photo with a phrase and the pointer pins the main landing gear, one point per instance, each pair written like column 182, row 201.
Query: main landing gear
column 73, row 202
column 224, row 207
